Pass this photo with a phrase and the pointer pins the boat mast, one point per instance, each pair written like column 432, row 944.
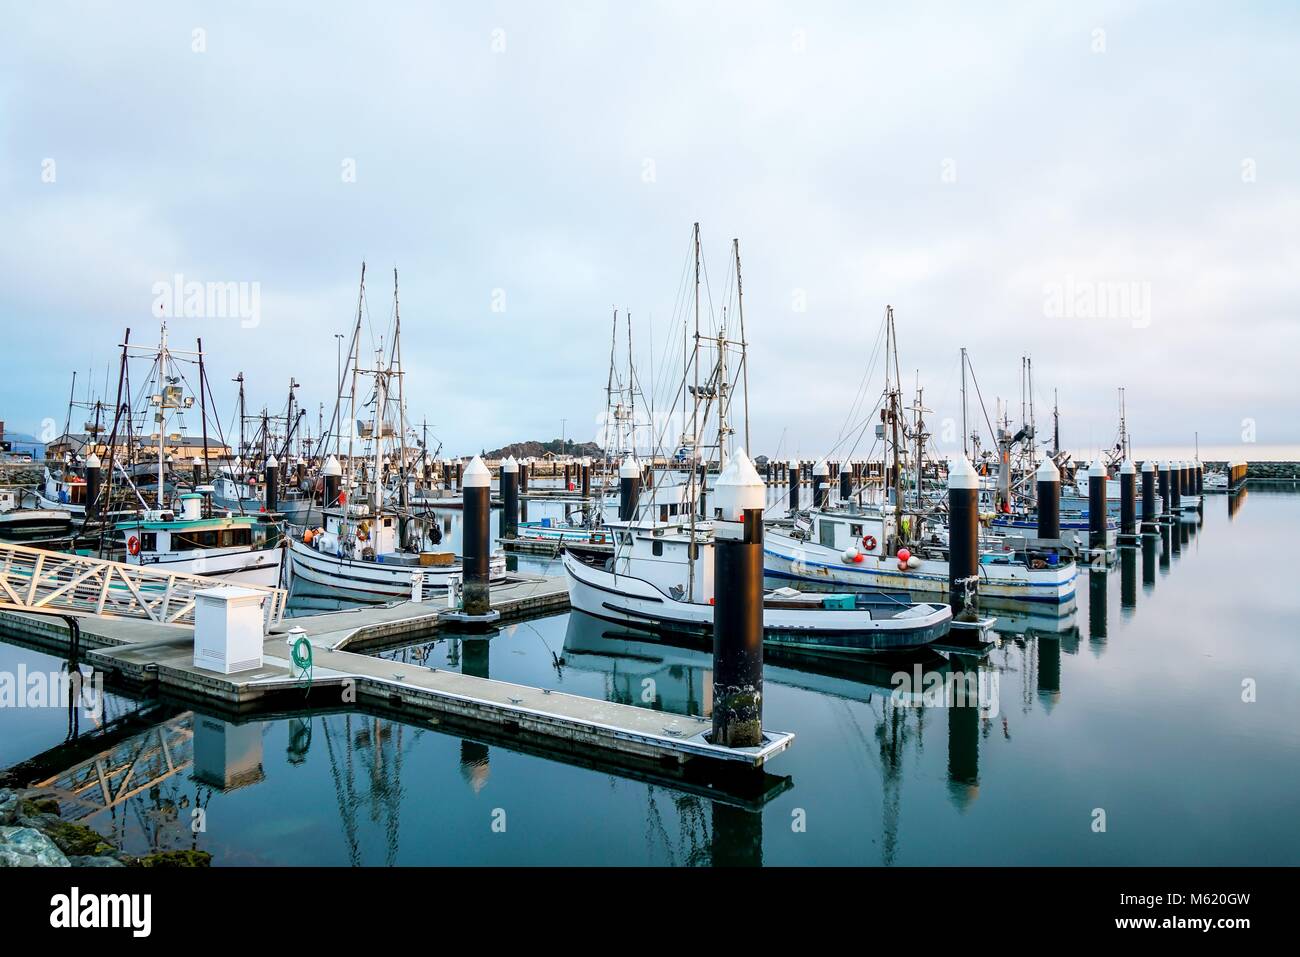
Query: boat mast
column 356, row 361
column 401, row 396
column 744, row 350
column 162, row 410
column 203, row 411
column 965, row 448
column 693, row 495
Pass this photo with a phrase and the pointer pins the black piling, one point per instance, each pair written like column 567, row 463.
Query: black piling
column 820, row 479
column 94, row 479
column 793, row 473
column 271, row 476
column 1048, row 479
column 1149, row 516
column 331, row 482
column 510, row 498
column 476, row 545
column 846, row 483
column 963, row 538
column 629, row 489
column 738, row 607
column 1097, row 506
column 1128, row 501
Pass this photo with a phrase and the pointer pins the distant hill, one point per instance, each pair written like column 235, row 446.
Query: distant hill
column 536, row 450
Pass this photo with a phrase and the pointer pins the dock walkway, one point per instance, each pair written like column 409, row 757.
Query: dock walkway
column 149, row 654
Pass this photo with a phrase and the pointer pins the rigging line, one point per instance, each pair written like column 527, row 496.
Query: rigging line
column 992, row 433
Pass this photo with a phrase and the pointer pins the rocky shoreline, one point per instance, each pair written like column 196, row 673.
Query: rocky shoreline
column 33, row 833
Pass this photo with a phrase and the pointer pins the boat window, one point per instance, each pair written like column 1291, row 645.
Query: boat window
column 148, row 542
column 658, row 548
column 242, row 536
column 826, row 531
column 855, row 531
column 625, row 539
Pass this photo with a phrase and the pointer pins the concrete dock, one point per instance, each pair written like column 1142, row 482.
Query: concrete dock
column 159, row 657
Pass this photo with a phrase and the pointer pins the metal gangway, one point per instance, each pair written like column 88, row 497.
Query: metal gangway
column 36, row 580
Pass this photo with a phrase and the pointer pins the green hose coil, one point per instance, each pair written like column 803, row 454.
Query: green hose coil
column 301, row 655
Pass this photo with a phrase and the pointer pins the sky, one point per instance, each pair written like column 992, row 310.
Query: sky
column 1112, row 189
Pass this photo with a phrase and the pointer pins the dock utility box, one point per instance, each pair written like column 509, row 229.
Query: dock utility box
column 228, row 629
column 432, row 559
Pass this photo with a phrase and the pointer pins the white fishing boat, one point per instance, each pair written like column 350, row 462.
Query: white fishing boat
column 863, row 549
column 660, row 577
column 363, row 551
column 233, row 548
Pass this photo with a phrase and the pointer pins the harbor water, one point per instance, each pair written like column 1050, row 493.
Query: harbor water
column 1157, row 722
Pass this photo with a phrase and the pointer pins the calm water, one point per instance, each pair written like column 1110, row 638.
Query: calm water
column 1132, row 705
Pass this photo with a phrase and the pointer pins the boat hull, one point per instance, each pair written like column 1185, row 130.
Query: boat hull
column 329, row 576
column 635, row 602
column 794, row 560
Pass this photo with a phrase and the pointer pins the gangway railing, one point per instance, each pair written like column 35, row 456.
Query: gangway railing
column 36, row 580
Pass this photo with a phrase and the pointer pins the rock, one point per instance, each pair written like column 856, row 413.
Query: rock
column 176, row 859
column 8, row 807
column 28, row 847
column 34, row 807
column 77, row 839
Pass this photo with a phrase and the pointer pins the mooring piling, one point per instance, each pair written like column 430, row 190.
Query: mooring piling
column 738, row 606
column 963, row 538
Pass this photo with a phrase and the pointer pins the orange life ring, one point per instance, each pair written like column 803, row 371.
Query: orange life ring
column 133, row 545
column 869, row 542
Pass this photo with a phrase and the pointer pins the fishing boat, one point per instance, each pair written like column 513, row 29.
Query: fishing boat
column 242, row 549
column 363, row 550
column 660, row 575
column 899, row 541
column 29, row 523
column 660, row 578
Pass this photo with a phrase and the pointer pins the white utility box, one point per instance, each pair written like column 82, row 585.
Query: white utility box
column 228, row 629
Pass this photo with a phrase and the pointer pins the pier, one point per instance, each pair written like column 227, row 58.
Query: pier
column 150, row 656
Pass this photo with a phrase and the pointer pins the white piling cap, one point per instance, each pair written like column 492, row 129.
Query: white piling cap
column 196, row 461
column 510, row 465
column 630, row 468
column 821, row 468
column 331, row 467
column 846, row 469
column 1148, row 466
column 1096, row 469
column 961, row 474
column 739, row 488
column 272, row 463
column 1127, row 467
column 476, row 474
column 93, row 461
column 1164, row 466
column 1048, row 472
column 794, row 464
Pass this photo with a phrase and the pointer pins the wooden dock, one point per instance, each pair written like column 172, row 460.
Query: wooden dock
column 154, row 656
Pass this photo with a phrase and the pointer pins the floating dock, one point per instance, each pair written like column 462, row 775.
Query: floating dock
column 153, row 656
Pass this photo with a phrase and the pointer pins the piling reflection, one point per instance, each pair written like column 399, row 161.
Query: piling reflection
column 1149, row 562
column 1098, row 608
column 1128, row 580
column 1236, row 499
column 1165, row 549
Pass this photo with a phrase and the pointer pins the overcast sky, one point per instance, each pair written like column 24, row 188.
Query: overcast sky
column 990, row 171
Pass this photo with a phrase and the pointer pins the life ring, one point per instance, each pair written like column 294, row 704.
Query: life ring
column 869, row 542
column 133, row 545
